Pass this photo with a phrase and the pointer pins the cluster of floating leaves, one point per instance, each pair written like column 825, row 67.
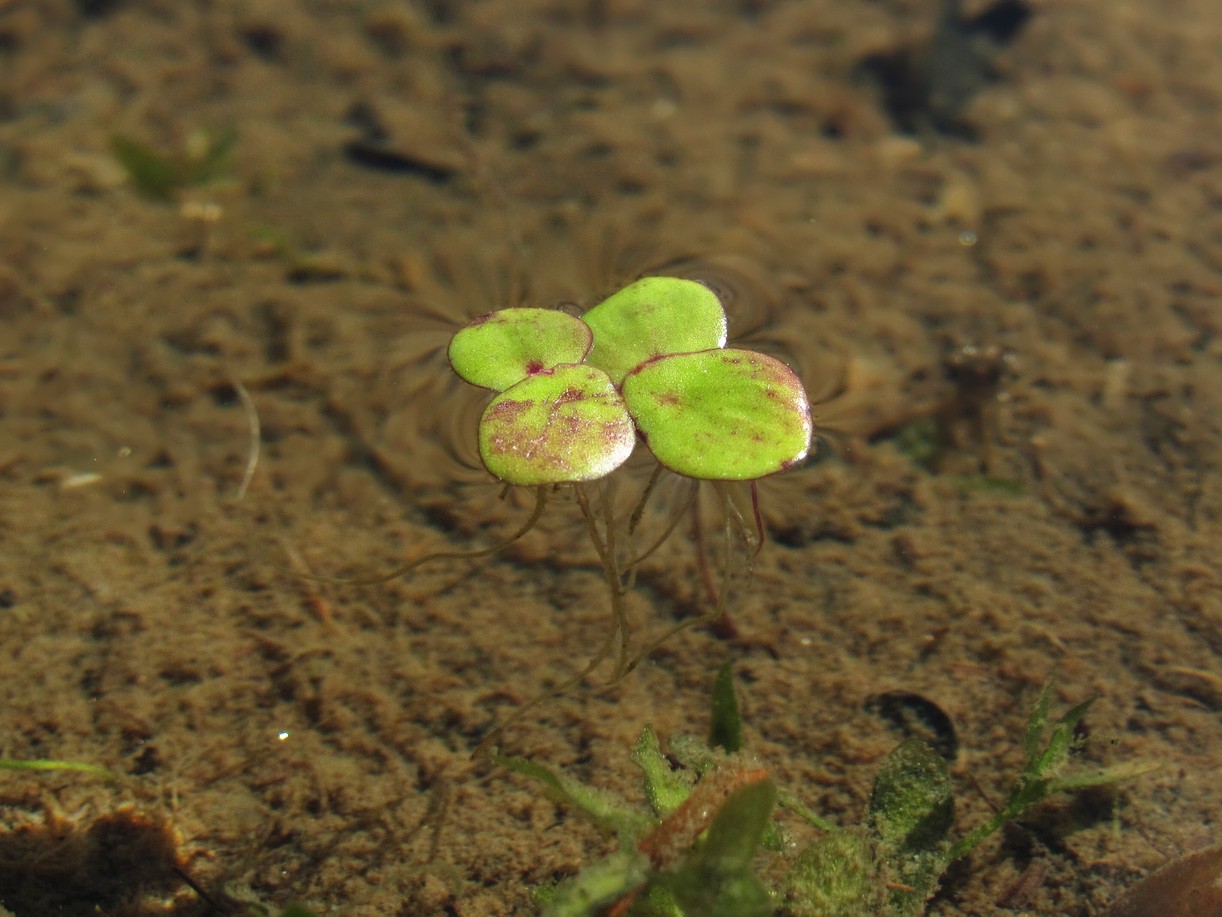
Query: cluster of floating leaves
column 574, row 395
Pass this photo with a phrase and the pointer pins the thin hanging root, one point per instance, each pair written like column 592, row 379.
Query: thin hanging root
column 714, row 619
column 759, row 520
column 670, row 527
column 752, row 535
column 719, row 617
column 735, row 527
column 702, row 554
column 615, row 581
column 617, row 638
column 441, row 795
column 604, row 545
column 530, row 523
column 639, row 510
column 314, row 599
column 256, row 436
column 715, row 592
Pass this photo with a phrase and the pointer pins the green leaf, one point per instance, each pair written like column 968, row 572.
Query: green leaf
column 692, row 752
column 728, row 415
column 153, row 174
column 911, row 810
column 1037, row 723
column 665, row 788
column 161, row 176
column 652, row 317
column 726, row 727
column 1104, row 776
column 209, row 155
column 658, row 901
column 599, row 885
column 1048, row 747
column 788, row 801
column 837, row 874
column 738, row 827
column 912, row 806
column 560, row 425
column 608, row 811
column 502, row 348
column 716, row 880
column 39, row 764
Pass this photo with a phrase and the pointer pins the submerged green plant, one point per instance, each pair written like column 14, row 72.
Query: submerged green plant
column 694, row 853
column 42, row 764
column 205, row 157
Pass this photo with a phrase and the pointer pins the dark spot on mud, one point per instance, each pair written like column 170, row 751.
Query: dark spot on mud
column 914, row 716
column 928, row 86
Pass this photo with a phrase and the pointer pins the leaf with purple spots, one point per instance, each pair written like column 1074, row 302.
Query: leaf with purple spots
column 723, row 415
column 558, row 426
column 502, row 348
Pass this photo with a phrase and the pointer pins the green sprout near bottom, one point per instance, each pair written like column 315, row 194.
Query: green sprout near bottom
column 205, row 157
column 43, row 764
column 696, row 852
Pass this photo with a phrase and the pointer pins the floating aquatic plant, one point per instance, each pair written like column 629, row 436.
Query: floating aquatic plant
column 574, row 397
column 658, row 357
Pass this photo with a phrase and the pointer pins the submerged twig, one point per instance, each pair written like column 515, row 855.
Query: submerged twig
column 256, row 436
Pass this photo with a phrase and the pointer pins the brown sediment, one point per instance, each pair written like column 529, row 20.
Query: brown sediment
column 149, row 627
